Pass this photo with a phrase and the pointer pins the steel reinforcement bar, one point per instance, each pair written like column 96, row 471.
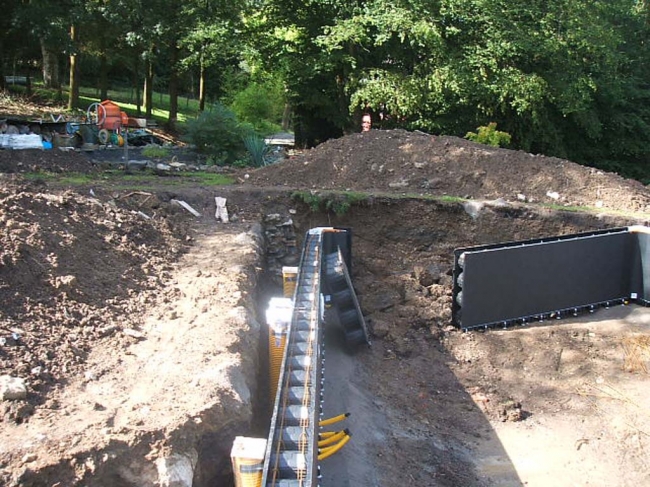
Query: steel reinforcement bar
column 292, row 448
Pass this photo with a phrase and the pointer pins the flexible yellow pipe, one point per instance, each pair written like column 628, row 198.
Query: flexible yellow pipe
column 328, row 452
column 332, row 439
column 335, row 419
column 326, row 434
column 325, row 449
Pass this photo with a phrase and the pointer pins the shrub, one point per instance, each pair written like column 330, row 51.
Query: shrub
column 257, row 149
column 261, row 105
column 489, row 135
column 218, row 134
column 313, row 200
column 155, row 152
column 338, row 203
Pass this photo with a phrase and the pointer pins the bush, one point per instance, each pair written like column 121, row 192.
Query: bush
column 257, row 149
column 217, row 134
column 489, row 135
column 339, row 203
column 261, row 105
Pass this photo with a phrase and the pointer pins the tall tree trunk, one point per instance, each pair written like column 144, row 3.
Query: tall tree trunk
column 136, row 85
column 202, row 87
column 148, row 88
column 103, row 76
column 51, row 78
column 2, row 68
column 286, row 116
column 73, row 98
column 103, row 67
column 173, row 85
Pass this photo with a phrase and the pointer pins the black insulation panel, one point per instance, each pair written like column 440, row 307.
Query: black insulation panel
column 520, row 280
column 341, row 239
column 642, row 281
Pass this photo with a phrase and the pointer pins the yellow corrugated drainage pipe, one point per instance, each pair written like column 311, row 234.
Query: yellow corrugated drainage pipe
column 324, row 453
column 322, row 443
column 278, row 318
column 335, row 419
column 277, row 344
column 289, row 280
column 247, row 456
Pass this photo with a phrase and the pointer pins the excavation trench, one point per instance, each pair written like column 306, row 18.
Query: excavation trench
column 433, row 406
column 430, row 405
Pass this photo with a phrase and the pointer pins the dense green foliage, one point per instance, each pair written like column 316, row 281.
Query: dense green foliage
column 563, row 77
column 260, row 104
column 337, row 202
column 217, row 134
column 489, row 135
column 569, row 78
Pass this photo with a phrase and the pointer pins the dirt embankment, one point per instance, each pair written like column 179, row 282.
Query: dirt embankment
column 133, row 332
column 75, row 271
column 414, row 163
column 54, row 161
column 536, row 406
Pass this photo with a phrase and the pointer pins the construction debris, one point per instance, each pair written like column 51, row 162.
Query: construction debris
column 222, row 211
column 187, row 207
column 20, row 141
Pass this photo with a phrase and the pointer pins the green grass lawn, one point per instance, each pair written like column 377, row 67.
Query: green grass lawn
column 141, row 180
column 188, row 108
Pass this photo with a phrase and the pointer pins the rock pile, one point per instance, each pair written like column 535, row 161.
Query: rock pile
column 281, row 246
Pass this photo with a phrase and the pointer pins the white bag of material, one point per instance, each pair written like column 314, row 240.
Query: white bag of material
column 222, row 211
column 20, row 141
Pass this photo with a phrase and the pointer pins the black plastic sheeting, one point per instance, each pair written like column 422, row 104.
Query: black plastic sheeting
column 536, row 279
column 337, row 284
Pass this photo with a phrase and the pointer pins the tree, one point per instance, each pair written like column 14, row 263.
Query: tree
column 7, row 35
column 212, row 38
column 45, row 22
column 564, row 77
column 286, row 35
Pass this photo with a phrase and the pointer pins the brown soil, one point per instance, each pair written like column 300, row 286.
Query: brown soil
column 62, row 256
column 539, row 406
column 114, row 329
column 416, row 163
column 35, row 161
column 136, row 339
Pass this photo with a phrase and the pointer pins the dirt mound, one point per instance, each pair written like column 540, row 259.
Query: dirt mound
column 417, row 163
column 56, row 161
column 135, row 359
column 73, row 272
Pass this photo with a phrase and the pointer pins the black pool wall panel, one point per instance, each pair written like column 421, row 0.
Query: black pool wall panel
column 641, row 264
column 341, row 239
column 522, row 280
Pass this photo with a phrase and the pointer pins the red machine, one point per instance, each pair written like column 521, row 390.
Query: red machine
column 109, row 120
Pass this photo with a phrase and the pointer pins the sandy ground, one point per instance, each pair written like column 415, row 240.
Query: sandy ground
column 586, row 421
